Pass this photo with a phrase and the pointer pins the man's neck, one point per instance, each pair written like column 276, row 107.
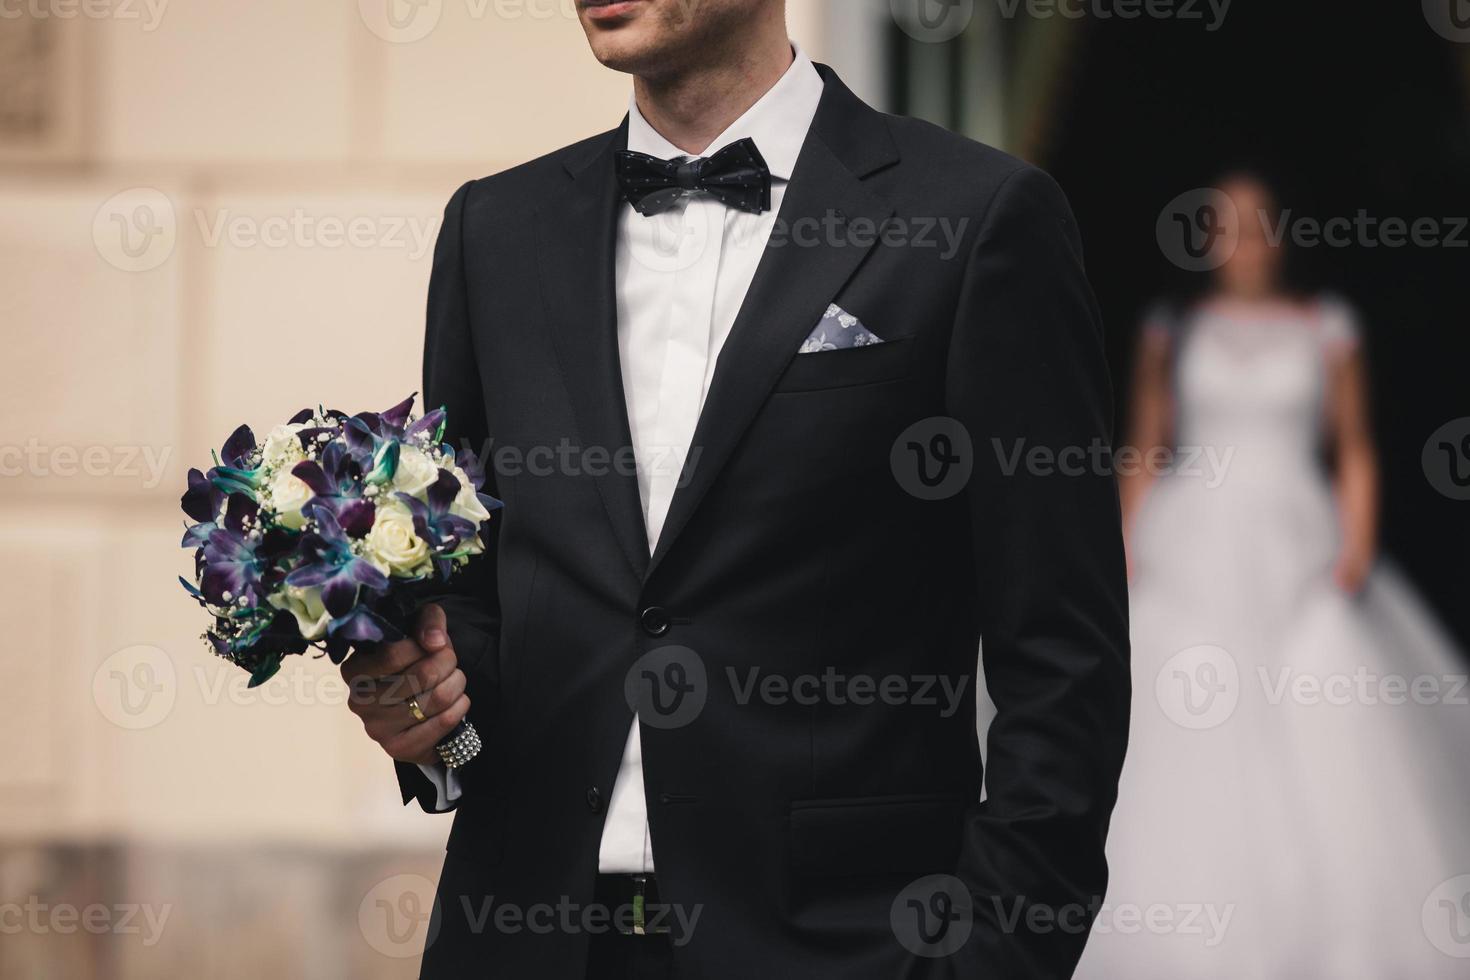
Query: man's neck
column 694, row 107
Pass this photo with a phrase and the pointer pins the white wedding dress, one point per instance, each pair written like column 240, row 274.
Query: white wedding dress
column 1296, row 800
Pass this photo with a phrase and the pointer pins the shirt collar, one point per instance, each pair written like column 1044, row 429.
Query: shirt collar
column 778, row 122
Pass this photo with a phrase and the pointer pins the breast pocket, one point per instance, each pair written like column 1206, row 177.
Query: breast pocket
column 848, row 367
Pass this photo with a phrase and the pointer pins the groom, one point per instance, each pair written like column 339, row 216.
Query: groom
column 777, row 391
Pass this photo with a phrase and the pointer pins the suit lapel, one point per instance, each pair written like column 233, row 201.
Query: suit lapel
column 576, row 238
column 795, row 281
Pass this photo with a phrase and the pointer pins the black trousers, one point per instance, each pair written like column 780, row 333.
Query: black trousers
column 614, row 956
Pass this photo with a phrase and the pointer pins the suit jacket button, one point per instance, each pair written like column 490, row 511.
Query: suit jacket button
column 594, row 799
column 655, row 621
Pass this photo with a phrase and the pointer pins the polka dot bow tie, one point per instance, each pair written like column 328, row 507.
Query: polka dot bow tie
column 737, row 176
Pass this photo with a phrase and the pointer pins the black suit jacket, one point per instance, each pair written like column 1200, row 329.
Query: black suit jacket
column 796, row 827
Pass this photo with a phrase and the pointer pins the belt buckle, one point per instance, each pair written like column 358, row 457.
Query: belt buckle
column 640, row 909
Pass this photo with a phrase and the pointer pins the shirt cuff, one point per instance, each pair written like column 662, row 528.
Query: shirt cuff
column 446, row 786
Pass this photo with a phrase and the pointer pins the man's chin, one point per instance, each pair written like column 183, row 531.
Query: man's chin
column 626, row 51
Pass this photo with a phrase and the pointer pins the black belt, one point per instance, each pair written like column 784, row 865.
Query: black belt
column 633, row 903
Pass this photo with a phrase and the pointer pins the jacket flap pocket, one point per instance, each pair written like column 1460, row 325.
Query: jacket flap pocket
column 850, row 366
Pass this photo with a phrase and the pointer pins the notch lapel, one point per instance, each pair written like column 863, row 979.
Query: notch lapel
column 793, row 285
column 576, row 240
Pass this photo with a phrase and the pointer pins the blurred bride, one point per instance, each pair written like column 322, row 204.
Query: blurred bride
column 1296, row 802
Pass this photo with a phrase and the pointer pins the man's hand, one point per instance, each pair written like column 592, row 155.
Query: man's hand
column 421, row 667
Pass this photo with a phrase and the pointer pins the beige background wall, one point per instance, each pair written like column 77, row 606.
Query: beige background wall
column 217, row 212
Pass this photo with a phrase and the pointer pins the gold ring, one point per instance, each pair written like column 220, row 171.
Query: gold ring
column 418, row 713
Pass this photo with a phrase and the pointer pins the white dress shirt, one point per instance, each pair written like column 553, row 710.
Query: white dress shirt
column 681, row 278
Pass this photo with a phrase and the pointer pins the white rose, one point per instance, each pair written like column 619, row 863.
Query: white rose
column 393, row 545
column 416, row 472
column 288, row 495
column 282, row 448
column 466, row 504
column 306, row 605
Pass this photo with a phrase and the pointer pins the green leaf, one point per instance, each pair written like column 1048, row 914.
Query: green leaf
column 264, row 671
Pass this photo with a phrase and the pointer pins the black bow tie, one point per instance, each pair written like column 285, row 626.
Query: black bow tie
column 737, row 176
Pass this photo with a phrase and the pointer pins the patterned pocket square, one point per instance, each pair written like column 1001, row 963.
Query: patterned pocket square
column 838, row 330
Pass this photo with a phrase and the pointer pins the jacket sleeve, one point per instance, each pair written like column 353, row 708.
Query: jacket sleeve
column 452, row 380
column 1027, row 378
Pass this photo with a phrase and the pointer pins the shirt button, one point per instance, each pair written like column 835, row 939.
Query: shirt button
column 655, row 621
column 594, row 799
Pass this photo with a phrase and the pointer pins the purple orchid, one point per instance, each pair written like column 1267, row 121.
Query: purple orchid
column 238, row 563
column 475, row 471
column 337, row 481
column 237, row 469
column 330, row 565
column 375, row 436
column 203, row 502
column 445, row 533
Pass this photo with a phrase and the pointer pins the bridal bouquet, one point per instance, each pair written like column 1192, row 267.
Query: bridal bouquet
column 330, row 533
